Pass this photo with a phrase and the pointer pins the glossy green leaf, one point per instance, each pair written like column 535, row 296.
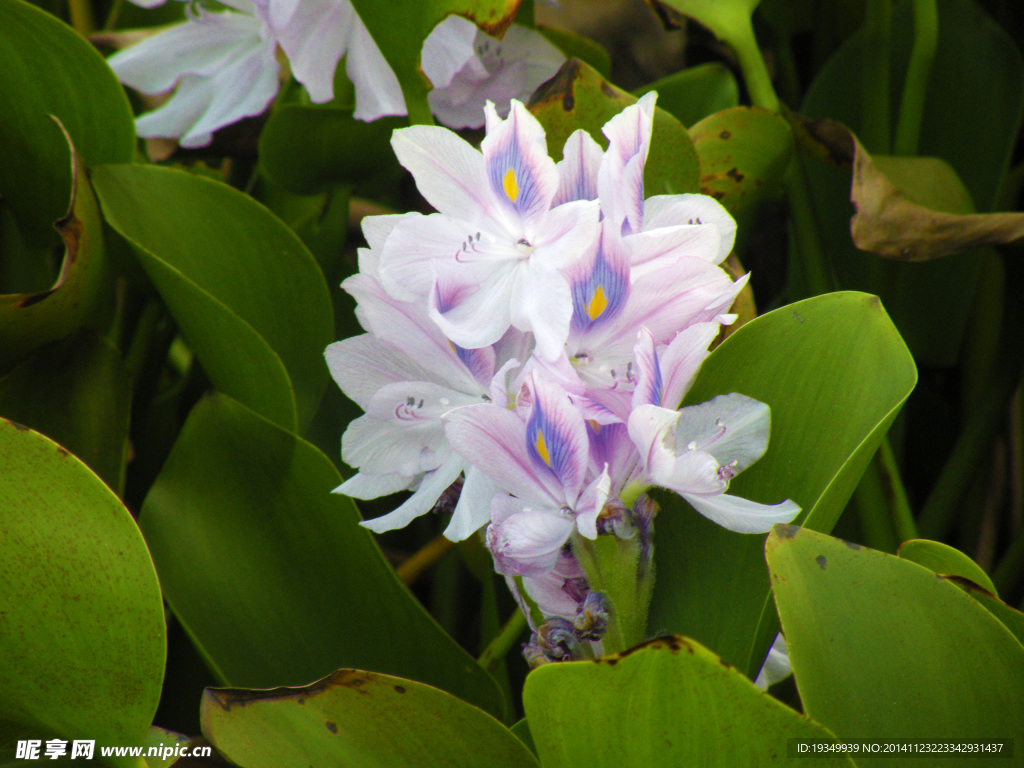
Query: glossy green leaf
column 82, row 287
column 399, row 29
column 82, row 637
column 357, row 718
column 1012, row 619
column 744, row 152
column 578, row 97
column 77, row 393
column 883, row 648
column 668, row 703
column 270, row 572
column 308, row 149
column 835, row 372
column 972, row 114
column 945, row 560
column 694, row 93
column 247, row 294
column 48, row 69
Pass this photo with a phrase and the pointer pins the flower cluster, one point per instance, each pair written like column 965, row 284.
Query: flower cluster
column 529, row 345
column 223, row 65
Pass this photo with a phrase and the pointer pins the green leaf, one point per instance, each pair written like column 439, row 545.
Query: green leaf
column 400, row 27
column 82, row 288
column 670, row 702
column 882, row 648
column 246, row 293
column 744, row 152
column 578, row 97
column 270, row 572
column 48, row 69
column 82, row 620
column 357, row 718
column 835, row 372
column 945, row 560
column 694, row 93
column 168, row 742
column 1012, row 619
column 971, row 119
column 309, row 149
column 76, row 392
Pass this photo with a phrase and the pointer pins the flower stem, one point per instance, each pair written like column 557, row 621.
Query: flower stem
column 82, row 18
column 418, row 562
column 915, row 86
column 499, row 647
column 611, row 565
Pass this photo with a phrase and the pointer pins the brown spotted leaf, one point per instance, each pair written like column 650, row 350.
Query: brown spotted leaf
column 360, row 719
column 669, row 702
column 744, row 152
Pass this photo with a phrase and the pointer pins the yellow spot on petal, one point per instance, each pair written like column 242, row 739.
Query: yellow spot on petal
column 510, row 186
column 594, row 426
column 598, row 304
column 542, row 448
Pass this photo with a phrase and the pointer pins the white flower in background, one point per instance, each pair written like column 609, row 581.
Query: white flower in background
column 221, row 65
column 468, row 68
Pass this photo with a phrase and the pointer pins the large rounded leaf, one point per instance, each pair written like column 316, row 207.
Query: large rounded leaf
column 270, row 572
column 694, row 93
column 668, row 703
column 360, row 719
column 245, row 291
column 835, row 372
column 743, row 151
column 578, row 97
column 883, row 649
column 81, row 620
column 48, row 69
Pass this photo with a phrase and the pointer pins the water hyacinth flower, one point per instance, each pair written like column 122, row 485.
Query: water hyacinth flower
column 536, row 336
column 223, row 66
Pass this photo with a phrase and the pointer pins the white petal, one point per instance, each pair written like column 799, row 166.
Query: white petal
column 671, row 210
column 314, row 35
column 578, row 169
column 422, row 501
column 377, row 90
column 732, row 428
column 541, row 302
column 742, row 515
column 474, row 508
column 447, row 49
column 528, row 543
column 776, row 665
column 449, row 173
column 361, row 365
column 363, row 486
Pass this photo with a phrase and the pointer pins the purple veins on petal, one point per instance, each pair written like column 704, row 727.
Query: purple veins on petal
column 600, row 292
column 521, row 175
column 556, row 437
